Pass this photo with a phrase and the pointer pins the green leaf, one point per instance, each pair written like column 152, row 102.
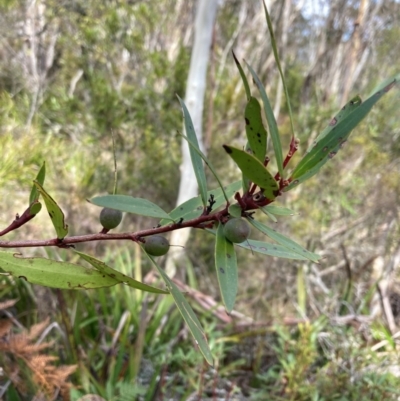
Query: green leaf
column 55, row 274
column 330, row 141
column 196, row 159
column 207, row 162
column 187, row 313
column 55, row 212
column 317, row 156
column 270, row 215
column 129, row 204
column 235, row 210
column 384, row 84
column 278, row 63
column 193, row 208
column 254, row 170
column 272, row 125
column 284, row 241
column 35, row 208
column 226, row 266
column 267, row 248
column 243, row 76
column 115, row 274
column 246, row 183
column 34, row 196
column 344, row 112
column 278, row 210
column 255, row 131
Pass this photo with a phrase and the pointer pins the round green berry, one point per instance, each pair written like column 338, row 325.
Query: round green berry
column 110, row 218
column 237, row 230
column 156, row 245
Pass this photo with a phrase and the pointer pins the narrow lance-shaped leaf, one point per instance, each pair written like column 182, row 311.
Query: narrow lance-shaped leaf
column 279, row 210
column 226, row 266
column 208, row 163
column 55, row 274
column 193, row 208
column 312, row 157
column 115, row 274
column 272, row 125
column 270, row 215
column 55, row 212
column 267, row 248
column 243, row 76
column 254, row 170
column 284, row 241
column 385, row 83
column 187, row 313
column 272, row 210
column 34, row 205
column 344, row 112
column 129, row 204
column 278, row 63
column 329, row 144
column 246, row 183
column 34, row 195
column 196, row 159
column 255, row 131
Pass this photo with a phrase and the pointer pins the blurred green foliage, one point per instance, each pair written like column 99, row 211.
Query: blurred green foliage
column 117, row 66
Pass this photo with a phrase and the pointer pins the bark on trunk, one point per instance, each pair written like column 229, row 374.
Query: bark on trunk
column 194, row 99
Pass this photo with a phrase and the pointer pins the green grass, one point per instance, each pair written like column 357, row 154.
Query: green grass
column 132, row 345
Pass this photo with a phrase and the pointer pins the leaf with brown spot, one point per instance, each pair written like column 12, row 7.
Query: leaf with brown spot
column 226, row 268
column 55, row 212
column 255, row 131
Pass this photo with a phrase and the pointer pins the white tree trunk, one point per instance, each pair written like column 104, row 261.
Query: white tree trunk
column 194, row 99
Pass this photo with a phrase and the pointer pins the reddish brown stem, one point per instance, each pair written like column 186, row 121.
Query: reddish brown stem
column 294, row 145
column 246, row 202
column 18, row 222
column 136, row 236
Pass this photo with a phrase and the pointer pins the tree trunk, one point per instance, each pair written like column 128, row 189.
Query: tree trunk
column 194, row 99
column 355, row 51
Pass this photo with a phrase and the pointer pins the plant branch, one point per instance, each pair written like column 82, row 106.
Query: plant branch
column 247, row 202
column 134, row 236
column 19, row 221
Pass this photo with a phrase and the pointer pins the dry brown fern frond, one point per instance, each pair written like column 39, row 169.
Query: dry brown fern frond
column 37, row 329
column 5, row 327
column 21, row 346
column 8, row 304
column 46, row 377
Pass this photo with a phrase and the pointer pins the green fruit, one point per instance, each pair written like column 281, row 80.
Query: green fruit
column 110, row 218
column 237, row 230
column 157, row 245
